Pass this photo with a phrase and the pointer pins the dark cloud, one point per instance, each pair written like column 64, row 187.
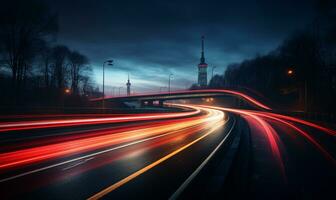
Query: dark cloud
column 163, row 36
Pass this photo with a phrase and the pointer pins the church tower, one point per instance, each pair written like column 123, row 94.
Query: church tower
column 202, row 69
column 128, row 84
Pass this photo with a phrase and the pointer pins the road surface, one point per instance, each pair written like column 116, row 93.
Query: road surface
column 202, row 152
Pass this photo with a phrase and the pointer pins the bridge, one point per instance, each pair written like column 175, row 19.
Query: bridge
column 149, row 98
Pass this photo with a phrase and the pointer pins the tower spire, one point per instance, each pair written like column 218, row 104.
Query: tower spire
column 202, row 53
column 202, row 68
column 128, row 84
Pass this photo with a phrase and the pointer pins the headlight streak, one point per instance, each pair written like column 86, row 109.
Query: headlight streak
column 182, row 132
column 98, row 142
column 268, row 131
column 41, row 153
column 15, row 126
column 152, row 165
column 79, row 134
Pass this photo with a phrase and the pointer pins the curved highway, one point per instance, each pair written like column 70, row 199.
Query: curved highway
column 202, row 152
column 91, row 157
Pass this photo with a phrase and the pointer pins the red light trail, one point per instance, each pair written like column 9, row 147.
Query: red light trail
column 281, row 118
column 77, row 152
column 15, row 126
column 102, row 140
column 181, row 92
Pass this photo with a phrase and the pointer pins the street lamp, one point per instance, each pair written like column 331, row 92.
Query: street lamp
column 213, row 68
column 67, row 91
column 109, row 62
column 170, row 75
column 119, row 90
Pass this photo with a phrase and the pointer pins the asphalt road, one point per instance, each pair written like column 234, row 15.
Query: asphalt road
column 205, row 152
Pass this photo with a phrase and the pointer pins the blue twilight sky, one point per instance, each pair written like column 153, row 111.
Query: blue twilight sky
column 150, row 39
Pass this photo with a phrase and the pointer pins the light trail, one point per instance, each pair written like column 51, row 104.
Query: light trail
column 152, row 165
column 181, row 92
column 15, row 126
column 268, row 131
column 79, row 151
column 41, row 116
column 187, row 182
column 29, row 156
column 307, row 123
column 281, row 118
column 181, row 132
column 325, row 153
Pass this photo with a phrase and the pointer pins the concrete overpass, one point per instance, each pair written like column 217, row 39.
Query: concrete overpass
column 149, row 98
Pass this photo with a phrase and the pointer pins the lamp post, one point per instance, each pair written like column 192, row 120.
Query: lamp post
column 109, row 62
column 119, row 90
column 170, row 75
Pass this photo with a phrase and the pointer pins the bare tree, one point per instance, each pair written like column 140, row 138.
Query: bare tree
column 60, row 55
column 24, row 25
column 46, row 61
column 78, row 66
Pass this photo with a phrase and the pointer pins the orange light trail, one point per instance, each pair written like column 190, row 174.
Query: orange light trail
column 125, row 180
column 52, row 151
column 268, row 131
column 15, row 126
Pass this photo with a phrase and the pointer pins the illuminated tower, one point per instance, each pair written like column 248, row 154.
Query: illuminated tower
column 202, row 69
column 128, row 84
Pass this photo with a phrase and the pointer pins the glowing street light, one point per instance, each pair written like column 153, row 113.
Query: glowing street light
column 67, row 91
column 290, row 72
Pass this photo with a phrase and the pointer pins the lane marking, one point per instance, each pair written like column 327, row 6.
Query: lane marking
column 87, row 156
column 61, row 149
column 150, row 166
column 185, row 184
column 77, row 164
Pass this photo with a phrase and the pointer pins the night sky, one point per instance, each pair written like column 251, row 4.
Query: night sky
column 150, row 39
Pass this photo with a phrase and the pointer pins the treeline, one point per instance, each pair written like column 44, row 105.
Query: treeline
column 300, row 74
column 34, row 69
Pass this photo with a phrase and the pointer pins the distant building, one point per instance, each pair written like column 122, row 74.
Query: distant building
column 128, row 84
column 202, row 69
